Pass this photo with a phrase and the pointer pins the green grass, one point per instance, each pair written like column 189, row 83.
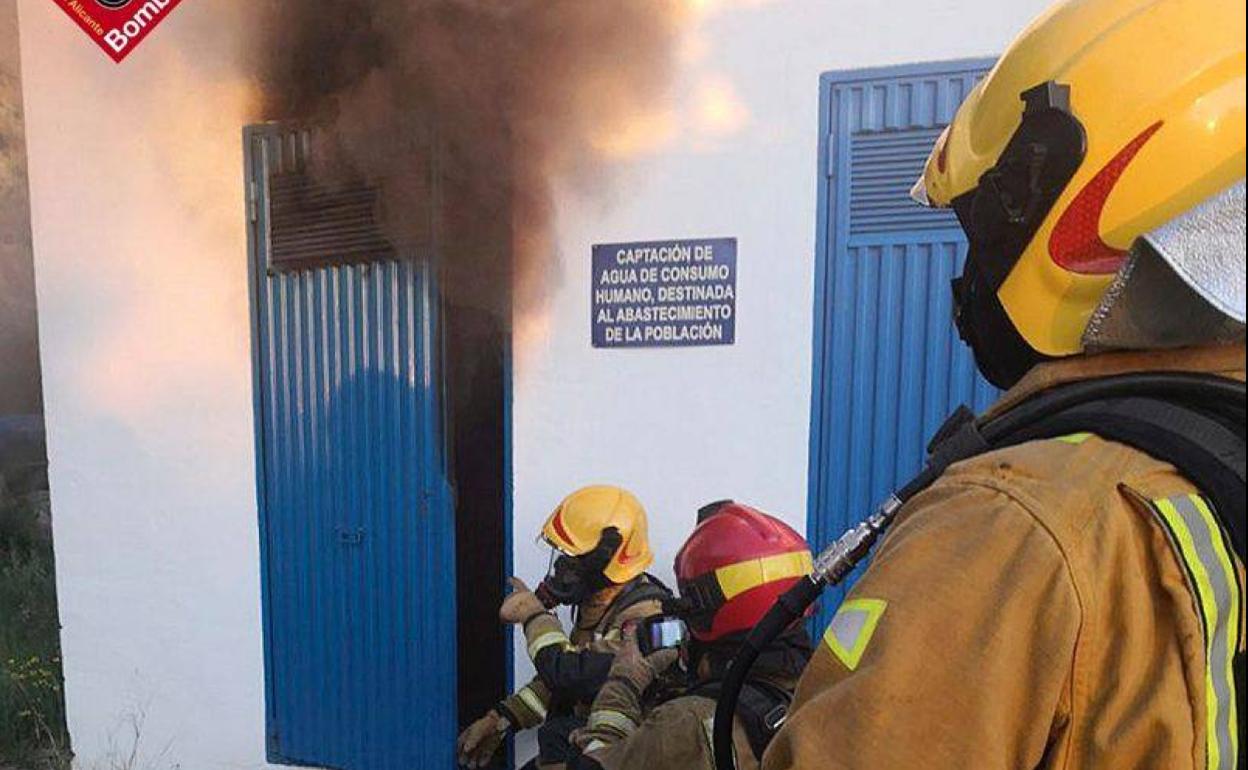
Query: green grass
column 32, row 704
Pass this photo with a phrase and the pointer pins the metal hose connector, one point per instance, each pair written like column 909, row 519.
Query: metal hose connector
column 839, row 559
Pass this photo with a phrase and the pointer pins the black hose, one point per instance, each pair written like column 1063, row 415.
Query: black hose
column 784, row 613
column 1186, row 387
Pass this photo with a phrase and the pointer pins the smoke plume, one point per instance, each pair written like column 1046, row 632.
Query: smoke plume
column 516, row 94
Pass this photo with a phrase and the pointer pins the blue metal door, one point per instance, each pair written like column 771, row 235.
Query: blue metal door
column 888, row 364
column 357, row 529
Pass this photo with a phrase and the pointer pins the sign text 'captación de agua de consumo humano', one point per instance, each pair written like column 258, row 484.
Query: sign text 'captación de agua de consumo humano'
column 664, row 293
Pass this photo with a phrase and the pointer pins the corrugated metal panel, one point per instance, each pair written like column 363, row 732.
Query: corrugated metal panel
column 357, row 524
column 888, row 364
column 879, row 188
column 311, row 222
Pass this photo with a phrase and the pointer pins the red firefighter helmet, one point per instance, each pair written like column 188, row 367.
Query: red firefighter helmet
column 734, row 566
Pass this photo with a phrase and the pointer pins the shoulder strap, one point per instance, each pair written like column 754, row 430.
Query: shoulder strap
column 643, row 589
column 1206, row 449
column 761, row 710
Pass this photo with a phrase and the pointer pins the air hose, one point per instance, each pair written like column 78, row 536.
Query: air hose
column 1016, row 424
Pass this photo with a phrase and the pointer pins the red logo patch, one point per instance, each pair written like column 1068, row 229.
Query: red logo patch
column 1076, row 244
column 117, row 26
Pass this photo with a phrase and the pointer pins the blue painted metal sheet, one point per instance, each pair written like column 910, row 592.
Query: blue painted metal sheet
column 357, row 527
column 888, row 365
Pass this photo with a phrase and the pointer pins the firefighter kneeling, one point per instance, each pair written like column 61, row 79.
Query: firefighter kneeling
column 656, row 715
column 600, row 553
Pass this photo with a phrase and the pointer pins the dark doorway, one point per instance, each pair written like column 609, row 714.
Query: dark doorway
column 476, row 271
column 476, row 380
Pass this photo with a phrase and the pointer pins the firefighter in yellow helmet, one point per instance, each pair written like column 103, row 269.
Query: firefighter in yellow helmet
column 600, row 552
column 1071, row 600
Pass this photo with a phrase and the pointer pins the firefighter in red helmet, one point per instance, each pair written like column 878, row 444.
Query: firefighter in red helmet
column 657, row 715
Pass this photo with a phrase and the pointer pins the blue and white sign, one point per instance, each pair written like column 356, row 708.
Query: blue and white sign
column 665, row 293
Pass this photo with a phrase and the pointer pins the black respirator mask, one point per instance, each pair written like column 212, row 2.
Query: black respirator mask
column 573, row 579
column 1001, row 216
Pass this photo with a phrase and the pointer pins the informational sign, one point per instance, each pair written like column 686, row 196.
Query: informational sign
column 665, row 293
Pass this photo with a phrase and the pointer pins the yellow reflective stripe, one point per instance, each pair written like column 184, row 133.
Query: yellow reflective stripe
column 1209, row 612
column 1075, row 438
column 1224, row 666
column 852, row 627
column 616, row 720
column 1198, row 539
column 548, row 639
column 740, row 577
column 535, row 704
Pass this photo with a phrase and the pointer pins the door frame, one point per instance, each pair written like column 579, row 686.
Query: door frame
column 828, row 240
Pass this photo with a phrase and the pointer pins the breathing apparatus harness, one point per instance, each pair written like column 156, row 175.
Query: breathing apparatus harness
column 768, row 694
column 1192, row 421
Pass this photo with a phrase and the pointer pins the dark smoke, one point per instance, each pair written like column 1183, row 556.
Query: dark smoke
column 516, row 92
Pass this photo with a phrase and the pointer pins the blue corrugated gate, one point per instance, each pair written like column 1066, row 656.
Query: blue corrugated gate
column 888, row 365
column 357, row 529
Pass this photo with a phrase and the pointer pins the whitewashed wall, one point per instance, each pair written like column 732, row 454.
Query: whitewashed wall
column 140, row 250
column 681, row 427
column 143, row 325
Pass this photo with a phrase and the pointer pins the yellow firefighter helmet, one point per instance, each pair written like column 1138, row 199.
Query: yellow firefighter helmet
column 1103, row 121
column 576, row 526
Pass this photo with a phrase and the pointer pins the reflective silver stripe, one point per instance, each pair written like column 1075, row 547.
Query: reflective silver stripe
column 548, row 639
column 594, row 745
column 1198, row 540
column 530, row 699
column 708, row 732
column 616, row 720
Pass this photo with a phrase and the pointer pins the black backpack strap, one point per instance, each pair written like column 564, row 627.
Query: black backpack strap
column 644, row 588
column 761, row 710
column 957, row 439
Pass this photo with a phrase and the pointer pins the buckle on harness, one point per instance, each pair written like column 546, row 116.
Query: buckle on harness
column 776, row 718
column 957, row 439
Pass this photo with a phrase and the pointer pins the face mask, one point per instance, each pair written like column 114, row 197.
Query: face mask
column 573, row 579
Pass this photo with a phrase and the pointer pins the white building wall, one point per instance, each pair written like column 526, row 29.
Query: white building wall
column 682, row 427
column 144, row 334
column 135, row 175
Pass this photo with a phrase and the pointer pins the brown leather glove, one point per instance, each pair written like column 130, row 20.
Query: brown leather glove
column 481, row 740
column 521, row 605
column 630, row 665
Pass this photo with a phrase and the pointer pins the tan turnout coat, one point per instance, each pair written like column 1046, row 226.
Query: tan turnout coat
column 1042, row 606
